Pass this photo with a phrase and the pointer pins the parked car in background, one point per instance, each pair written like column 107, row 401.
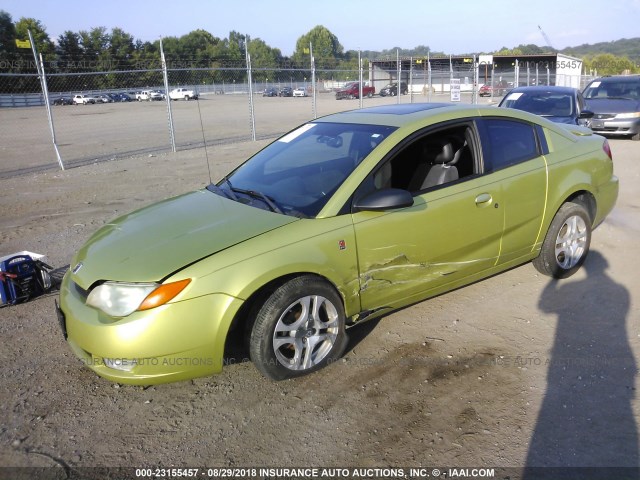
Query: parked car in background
column 103, row 98
column 558, row 104
column 300, row 92
column 62, row 101
column 182, row 94
column 123, row 97
column 270, row 92
column 81, row 99
column 615, row 102
column 348, row 217
column 392, row 89
column 149, row 95
column 498, row 90
column 352, row 90
column 285, row 92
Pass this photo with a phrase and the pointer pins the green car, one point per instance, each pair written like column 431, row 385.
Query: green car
column 345, row 218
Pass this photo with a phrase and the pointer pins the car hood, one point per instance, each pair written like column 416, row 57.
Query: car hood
column 612, row 105
column 150, row 244
column 557, row 119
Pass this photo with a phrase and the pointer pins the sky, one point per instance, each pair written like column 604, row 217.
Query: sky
column 449, row 26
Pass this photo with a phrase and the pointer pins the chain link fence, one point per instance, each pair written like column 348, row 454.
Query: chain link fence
column 101, row 115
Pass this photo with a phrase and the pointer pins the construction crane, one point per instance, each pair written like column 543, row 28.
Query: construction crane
column 546, row 38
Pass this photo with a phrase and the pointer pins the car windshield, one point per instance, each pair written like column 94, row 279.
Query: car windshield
column 299, row 172
column 550, row 104
column 613, row 89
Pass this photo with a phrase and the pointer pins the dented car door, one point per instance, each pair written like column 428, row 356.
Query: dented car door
column 447, row 235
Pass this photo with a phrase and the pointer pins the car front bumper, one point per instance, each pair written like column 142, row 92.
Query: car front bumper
column 173, row 342
column 617, row 127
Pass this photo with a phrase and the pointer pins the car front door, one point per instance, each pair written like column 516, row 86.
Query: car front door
column 451, row 232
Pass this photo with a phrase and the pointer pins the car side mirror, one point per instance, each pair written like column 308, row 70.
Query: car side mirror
column 385, row 199
column 586, row 114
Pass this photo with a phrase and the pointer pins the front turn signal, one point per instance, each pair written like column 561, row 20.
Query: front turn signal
column 163, row 294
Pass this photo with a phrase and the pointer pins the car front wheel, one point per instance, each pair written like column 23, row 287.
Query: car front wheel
column 299, row 329
column 566, row 245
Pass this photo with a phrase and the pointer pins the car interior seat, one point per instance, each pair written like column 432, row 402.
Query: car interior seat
column 442, row 157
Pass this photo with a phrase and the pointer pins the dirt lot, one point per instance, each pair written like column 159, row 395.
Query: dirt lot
column 512, row 371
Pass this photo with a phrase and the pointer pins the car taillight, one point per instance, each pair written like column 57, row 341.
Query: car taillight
column 607, row 149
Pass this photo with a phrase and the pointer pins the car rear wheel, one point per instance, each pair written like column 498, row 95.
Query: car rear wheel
column 299, row 329
column 566, row 245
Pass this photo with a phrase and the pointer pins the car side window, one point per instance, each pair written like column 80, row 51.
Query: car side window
column 507, row 142
column 430, row 161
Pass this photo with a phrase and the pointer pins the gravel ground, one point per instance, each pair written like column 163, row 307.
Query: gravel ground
column 513, row 371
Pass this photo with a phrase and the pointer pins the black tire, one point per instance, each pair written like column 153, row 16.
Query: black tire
column 635, row 137
column 566, row 244
column 304, row 343
column 369, row 95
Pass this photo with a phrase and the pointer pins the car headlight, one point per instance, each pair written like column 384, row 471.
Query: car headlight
column 122, row 299
column 628, row 115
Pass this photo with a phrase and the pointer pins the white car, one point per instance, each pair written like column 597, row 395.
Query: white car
column 300, row 92
column 83, row 99
column 182, row 93
column 149, row 95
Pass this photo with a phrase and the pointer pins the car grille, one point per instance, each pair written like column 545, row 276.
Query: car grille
column 604, row 116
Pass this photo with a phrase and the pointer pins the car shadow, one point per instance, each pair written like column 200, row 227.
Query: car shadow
column 586, row 419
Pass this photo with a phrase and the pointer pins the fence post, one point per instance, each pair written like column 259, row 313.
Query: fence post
column 411, row 80
column 168, row 99
column 429, row 76
column 313, row 82
column 250, row 82
column 476, row 79
column 399, row 73
column 359, row 79
column 45, row 93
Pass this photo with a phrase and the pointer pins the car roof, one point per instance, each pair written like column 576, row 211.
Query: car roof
column 544, row 88
column 399, row 115
column 619, row 78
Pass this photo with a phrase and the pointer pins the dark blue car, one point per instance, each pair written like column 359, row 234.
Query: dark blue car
column 558, row 104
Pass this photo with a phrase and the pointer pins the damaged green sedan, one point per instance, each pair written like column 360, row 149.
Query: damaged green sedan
column 347, row 217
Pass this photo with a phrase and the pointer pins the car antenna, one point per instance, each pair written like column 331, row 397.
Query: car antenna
column 204, row 140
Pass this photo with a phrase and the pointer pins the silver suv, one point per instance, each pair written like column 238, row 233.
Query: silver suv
column 615, row 102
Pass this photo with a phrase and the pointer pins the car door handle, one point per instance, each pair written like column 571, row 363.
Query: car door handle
column 483, row 200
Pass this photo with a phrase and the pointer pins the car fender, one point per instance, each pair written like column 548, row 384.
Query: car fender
column 324, row 247
column 568, row 181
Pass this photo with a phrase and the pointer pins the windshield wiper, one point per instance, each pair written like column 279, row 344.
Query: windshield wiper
column 260, row 196
column 230, row 193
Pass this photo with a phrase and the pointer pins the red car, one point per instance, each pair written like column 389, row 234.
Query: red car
column 499, row 90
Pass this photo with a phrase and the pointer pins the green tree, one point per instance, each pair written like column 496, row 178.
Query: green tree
column 94, row 42
column 7, row 36
column 40, row 37
column 327, row 50
column 121, row 45
column 69, row 50
column 609, row 64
